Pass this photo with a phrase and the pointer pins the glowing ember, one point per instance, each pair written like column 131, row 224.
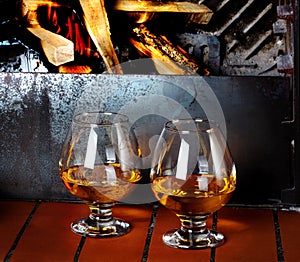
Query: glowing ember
column 159, row 47
column 74, row 69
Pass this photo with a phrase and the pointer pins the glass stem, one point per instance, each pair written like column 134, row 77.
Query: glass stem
column 193, row 224
column 101, row 213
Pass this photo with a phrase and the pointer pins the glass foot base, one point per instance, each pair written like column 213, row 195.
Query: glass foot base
column 114, row 228
column 179, row 239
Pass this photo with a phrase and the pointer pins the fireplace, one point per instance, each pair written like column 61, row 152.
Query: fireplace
column 245, row 51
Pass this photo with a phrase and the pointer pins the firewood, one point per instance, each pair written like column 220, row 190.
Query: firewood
column 58, row 49
column 162, row 63
column 175, row 60
column 97, row 24
column 200, row 13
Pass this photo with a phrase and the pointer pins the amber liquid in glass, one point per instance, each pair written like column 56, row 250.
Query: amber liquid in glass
column 103, row 184
column 197, row 195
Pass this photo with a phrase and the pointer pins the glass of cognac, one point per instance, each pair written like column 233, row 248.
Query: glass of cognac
column 98, row 166
column 193, row 175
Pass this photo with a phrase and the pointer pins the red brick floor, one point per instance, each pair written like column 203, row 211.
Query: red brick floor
column 40, row 231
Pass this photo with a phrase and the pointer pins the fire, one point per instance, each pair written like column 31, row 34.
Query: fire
column 74, row 69
column 55, row 21
column 50, row 21
column 143, row 50
column 144, row 17
column 87, row 34
column 69, row 28
column 169, row 59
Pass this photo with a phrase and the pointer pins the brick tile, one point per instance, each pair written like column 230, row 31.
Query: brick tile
column 12, row 218
column 48, row 237
column 290, row 231
column 128, row 247
column 159, row 252
column 249, row 233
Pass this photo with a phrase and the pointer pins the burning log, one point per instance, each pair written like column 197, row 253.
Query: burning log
column 97, row 24
column 198, row 13
column 168, row 58
column 57, row 48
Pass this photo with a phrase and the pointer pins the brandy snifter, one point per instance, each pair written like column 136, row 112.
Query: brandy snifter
column 98, row 166
column 193, row 175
